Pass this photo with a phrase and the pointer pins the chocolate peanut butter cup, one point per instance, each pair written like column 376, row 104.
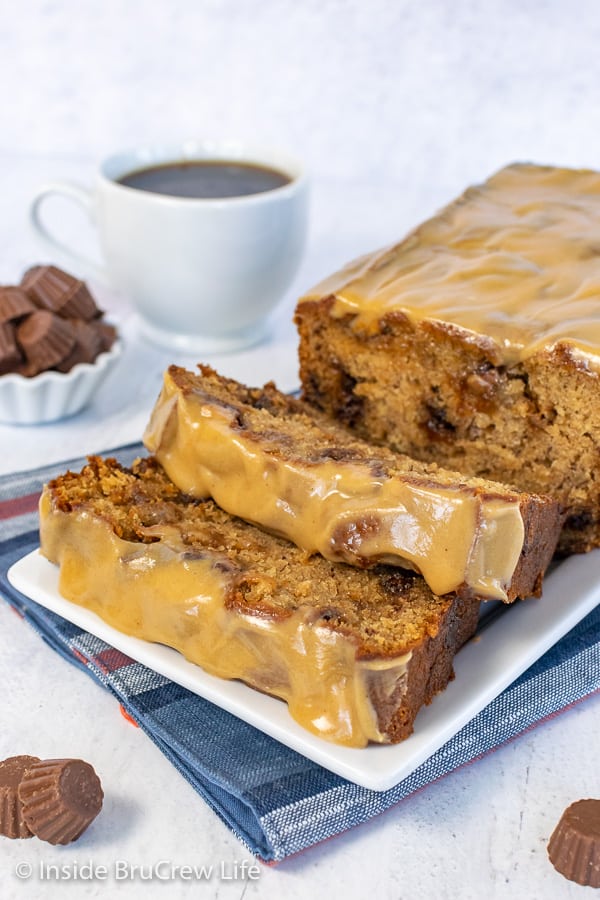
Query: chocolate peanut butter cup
column 108, row 333
column 89, row 343
column 52, row 289
column 79, row 304
column 574, row 847
column 60, row 798
column 14, row 304
column 10, row 355
column 12, row 823
column 45, row 340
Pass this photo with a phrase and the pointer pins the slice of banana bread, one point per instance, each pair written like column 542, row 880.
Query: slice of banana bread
column 276, row 461
column 475, row 342
column 354, row 653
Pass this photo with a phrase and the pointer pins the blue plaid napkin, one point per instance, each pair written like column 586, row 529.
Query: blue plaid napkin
column 274, row 800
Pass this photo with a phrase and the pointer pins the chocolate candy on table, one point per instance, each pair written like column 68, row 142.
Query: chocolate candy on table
column 53, row 799
column 574, row 846
column 60, row 798
column 12, row 823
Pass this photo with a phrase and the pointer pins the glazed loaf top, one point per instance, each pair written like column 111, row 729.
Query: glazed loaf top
column 515, row 261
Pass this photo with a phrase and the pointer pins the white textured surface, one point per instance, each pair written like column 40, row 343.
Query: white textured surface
column 395, row 106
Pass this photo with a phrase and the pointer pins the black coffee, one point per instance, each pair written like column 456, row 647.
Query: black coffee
column 205, row 178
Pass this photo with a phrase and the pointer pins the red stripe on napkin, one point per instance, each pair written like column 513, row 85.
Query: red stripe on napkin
column 110, row 660
column 10, row 509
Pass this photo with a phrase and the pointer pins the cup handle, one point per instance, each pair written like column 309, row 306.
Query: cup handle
column 84, row 198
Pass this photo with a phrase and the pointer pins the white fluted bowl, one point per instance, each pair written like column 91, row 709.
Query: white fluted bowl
column 53, row 395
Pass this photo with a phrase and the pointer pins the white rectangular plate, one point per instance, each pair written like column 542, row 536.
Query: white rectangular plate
column 505, row 646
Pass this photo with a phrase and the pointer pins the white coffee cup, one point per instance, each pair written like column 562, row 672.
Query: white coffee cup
column 202, row 274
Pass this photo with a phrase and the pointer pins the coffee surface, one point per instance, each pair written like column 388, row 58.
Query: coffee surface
column 205, row 179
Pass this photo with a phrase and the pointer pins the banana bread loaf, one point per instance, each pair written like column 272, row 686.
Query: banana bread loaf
column 475, row 342
column 354, row 653
column 277, row 462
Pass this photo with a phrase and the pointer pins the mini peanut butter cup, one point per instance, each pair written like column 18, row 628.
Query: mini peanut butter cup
column 30, row 271
column 45, row 340
column 79, row 304
column 60, row 798
column 12, row 823
column 10, row 355
column 52, row 289
column 574, row 846
column 48, row 285
column 14, row 304
column 88, row 345
column 107, row 332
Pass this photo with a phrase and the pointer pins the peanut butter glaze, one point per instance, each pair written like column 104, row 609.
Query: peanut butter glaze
column 514, row 261
column 355, row 654
column 458, row 537
column 156, row 592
